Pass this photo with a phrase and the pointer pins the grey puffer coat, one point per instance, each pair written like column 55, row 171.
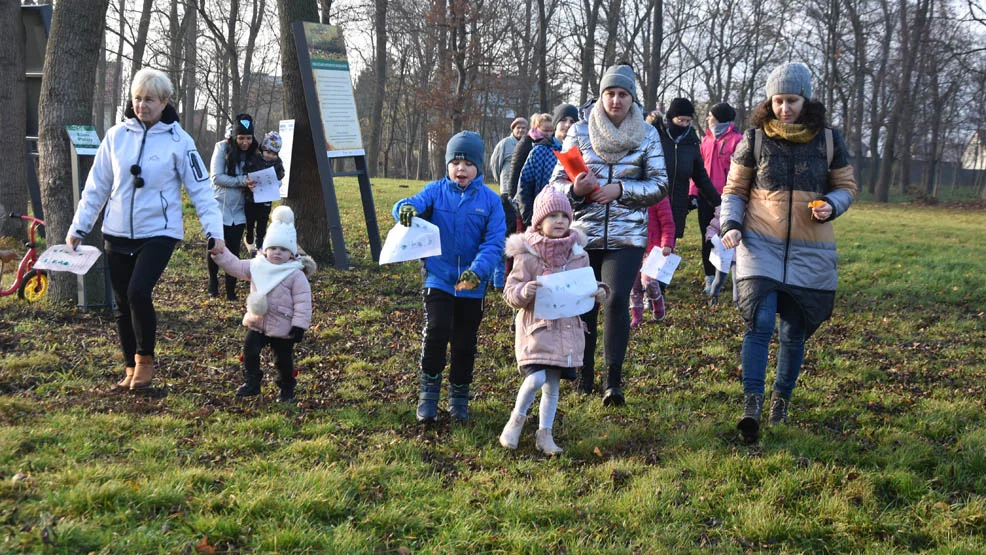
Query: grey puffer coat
column 623, row 222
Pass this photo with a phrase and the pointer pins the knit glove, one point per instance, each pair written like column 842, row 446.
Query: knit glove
column 405, row 214
column 468, row 280
column 297, row 333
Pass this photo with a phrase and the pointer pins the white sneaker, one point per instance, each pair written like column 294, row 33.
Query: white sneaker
column 545, row 443
column 510, row 437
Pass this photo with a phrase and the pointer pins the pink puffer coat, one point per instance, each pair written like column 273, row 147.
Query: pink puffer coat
column 289, row 303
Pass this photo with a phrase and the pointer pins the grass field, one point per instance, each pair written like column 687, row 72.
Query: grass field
column 885, row 452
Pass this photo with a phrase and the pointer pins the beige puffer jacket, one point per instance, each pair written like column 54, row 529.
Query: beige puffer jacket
column 623, row 222
column 551, row 342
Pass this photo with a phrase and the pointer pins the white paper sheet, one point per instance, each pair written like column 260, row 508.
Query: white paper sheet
column 565, row 294
column 61, row 258
column 268, row 187
column 720, row 256
column 660, row 267
column 421, row 240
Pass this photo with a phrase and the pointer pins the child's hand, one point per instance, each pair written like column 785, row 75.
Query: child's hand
column 468, row 280
column 666, row 251
column 406, row 213
column 530, row 289
column 600, row 295
column 297, row 334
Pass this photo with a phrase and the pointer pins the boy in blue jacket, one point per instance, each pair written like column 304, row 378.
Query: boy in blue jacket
column 471, row 223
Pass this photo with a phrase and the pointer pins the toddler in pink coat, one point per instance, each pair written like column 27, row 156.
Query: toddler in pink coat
column 279, row 308
column 660, row 235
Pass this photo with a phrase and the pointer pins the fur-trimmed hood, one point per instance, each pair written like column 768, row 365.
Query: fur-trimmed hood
column 517, row 244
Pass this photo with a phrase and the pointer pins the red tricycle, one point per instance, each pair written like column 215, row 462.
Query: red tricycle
column 30, row 284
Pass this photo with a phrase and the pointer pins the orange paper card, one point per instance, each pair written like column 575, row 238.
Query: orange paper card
column 572, row 161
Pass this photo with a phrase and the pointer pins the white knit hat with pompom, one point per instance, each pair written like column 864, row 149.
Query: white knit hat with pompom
column 281, row 232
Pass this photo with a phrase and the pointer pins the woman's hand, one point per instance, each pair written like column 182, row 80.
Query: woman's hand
column 218, row 247
column 732, row 238
column 607, row 193
column 585, row 183
column 73, row 242
column 822, row 211
column 249, row 183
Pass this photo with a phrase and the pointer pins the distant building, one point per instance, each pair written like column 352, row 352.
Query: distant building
column 974, row 156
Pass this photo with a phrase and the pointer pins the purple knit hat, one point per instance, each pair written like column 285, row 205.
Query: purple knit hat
column 550, row 200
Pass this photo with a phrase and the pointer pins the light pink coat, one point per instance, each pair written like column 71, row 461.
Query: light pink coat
column 289, row 303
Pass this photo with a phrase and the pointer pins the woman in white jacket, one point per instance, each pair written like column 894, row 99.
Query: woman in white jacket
column 137, row 175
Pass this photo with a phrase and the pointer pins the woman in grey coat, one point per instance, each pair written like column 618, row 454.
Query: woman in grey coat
column 230, row 162
column 626, row 175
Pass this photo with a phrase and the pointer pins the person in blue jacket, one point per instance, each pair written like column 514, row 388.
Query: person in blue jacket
column 470, row 220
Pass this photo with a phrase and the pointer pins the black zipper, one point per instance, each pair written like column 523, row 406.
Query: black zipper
column 790, row 209
column 606, row 216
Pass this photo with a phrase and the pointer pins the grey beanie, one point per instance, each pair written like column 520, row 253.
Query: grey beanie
column 563, row 111
column 790, row 78
column 619, row 76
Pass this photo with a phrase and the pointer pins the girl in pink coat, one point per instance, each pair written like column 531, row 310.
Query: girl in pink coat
column 660, row 235
column 547, row 350
column 279, row 308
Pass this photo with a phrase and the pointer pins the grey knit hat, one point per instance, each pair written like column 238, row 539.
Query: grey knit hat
column 790, row 78
column 619, row 76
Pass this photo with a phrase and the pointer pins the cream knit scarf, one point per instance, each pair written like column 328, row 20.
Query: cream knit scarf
column 265, row 277
column 610, row 142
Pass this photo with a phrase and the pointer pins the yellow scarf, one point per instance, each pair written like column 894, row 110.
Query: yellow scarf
column 794, row 132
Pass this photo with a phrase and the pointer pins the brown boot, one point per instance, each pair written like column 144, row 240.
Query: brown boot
column 127, row 380
column 143, row 373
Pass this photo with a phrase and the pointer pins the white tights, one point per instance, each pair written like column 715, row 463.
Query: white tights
column 548, row 382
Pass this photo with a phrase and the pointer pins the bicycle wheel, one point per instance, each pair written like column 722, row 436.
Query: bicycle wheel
column 34, row 286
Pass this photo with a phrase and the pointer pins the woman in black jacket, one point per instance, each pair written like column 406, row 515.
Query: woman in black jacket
column 683, row 158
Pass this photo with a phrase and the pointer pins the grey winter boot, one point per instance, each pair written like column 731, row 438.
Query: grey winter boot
column 779, row 406
column 749, row 425
column 458, row 401
column 510, row 437
column 429, row 389
column 545, row 443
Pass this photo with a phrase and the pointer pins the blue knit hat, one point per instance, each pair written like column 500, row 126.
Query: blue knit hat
column 465, row 145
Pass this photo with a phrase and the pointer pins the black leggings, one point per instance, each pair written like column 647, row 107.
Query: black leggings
column 618, row 269
column 135, row 268
column 705, row 214
column 232, row 234
column 257, row 214
column 283, row 356
column 450, row 319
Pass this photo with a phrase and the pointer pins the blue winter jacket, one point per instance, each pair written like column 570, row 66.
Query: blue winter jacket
column 472, row 228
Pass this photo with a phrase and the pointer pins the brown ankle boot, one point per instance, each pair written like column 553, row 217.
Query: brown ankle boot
column 143, row 372
column 127, row 380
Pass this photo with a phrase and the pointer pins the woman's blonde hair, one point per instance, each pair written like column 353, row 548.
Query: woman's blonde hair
column 153, row 82
column 538, row 119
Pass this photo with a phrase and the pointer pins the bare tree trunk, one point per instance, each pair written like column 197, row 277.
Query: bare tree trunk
column 380, row 86
column 542, row 57
column 72, row 50
column 612, row 26
column 13, row 123
column 118, row 75
column 589, row 83
column 189, row 52
column 308, row 204
column 656, row 46
column 99, row 90
column 140, row 43
column 326, row 6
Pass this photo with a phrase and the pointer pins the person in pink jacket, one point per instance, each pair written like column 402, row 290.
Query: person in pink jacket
column 279, row 308
column 721, row 138
column 660, row 234
column 547, row 350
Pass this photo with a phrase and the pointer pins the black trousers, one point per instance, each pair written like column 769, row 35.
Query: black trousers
column 618, row 269
column 705, row 214
column 135, row 268
column 257, row 215
column 283, row 357
column 232, row 234
column 455, row 320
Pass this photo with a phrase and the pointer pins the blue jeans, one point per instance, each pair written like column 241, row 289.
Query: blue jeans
column 756, row 341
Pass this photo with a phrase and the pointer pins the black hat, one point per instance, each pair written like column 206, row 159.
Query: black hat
column 680, row 107
column 563, row 111
column 243, row 125
column 723, row 112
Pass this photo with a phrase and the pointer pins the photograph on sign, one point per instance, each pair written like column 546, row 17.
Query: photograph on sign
column 334, row 89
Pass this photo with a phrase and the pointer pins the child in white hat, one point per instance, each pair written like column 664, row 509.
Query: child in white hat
column 279, row 308
column 547, row 350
